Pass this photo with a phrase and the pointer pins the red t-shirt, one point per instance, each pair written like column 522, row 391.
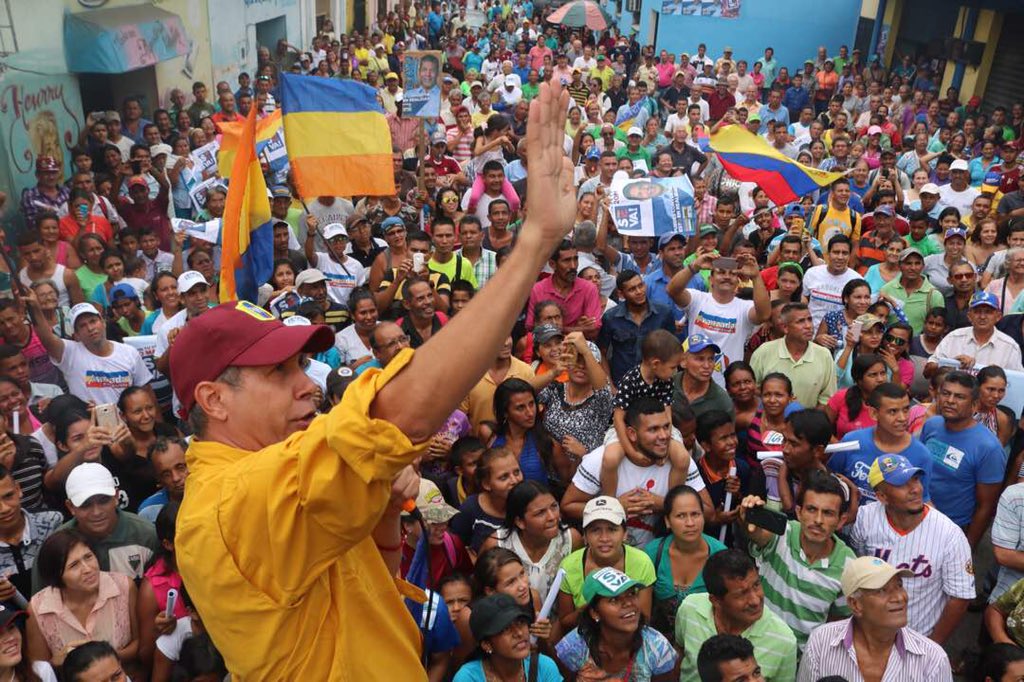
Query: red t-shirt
column 445, row 559
column 69, row 228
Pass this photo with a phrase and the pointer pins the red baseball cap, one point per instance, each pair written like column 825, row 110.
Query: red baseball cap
column 47, row 164
column 236, row 334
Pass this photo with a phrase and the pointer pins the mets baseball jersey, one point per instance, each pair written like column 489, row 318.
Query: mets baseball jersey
column 936, row 551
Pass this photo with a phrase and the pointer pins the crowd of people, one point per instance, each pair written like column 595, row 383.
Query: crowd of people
column 767, row 446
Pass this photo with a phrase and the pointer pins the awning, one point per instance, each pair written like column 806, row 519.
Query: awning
column 122, row 39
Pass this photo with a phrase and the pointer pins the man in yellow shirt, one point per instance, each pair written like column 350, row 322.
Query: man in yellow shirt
column 289, row 533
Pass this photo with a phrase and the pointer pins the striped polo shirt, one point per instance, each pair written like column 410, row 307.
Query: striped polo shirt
column 801, row 594
column 774, row 644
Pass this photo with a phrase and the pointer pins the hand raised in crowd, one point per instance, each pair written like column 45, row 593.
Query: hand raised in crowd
column 7, row 589
column 748, row 266
column 405, row 486
column 541, row 628
column 439, row 448
column 551, row 172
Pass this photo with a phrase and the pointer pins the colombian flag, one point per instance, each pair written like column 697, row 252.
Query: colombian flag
column 231, row 136
column 750, row 158
column 247, row 240
column 338, row 140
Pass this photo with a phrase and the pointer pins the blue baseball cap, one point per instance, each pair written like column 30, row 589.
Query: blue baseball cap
column 794, row 209
column 885, row 209
column 695, row 343
column 665, row 239
column 393, row 221
column 594, row 153
column 280, row 192
column 892, row 469
column 122, row 290
column 956, row 232
column 984, row 298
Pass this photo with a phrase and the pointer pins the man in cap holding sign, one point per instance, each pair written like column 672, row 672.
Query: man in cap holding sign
column 290, row 531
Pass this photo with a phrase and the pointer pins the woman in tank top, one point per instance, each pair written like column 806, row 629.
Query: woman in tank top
column 533, row 530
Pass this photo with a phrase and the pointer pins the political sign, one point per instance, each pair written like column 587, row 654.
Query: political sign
column 650, row 207
column 421, row 71
column 207, row 232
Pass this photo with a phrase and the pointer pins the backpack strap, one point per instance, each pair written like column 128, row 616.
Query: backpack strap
column 449, row 549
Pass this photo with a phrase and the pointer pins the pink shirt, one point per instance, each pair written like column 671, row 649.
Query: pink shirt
column 162, row 580
column 537, row 54
column 109, row 621
column 665, row 73
column 837, row 403
column 583, row 299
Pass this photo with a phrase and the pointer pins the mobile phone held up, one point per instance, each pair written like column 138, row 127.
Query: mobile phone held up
column 106, row 416
column 771, row 521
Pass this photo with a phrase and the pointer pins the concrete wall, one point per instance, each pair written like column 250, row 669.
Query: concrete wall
column 233, row 22
column 795, row 28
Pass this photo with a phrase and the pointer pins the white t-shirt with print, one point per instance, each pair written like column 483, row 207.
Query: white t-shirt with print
column 98, row 379
column 727, row 324
column 350, row 346
column 824, row 291
column 654, row 479
column 342, row 278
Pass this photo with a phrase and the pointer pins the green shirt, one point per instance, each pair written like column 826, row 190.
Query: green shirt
column 665, row 586
column 640, row 154
column 926, row 245
column 457, row 267
column 89, row 279
column 716, row 398
column 803, row 595
column 638, row 566
column 774, row 643
column 917, row 304
column 530, row 91
column 813, row 375
column 122, row 322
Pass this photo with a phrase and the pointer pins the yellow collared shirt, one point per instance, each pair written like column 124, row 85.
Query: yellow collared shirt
column 275, row 548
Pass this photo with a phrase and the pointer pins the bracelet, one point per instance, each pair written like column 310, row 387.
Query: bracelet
column 389, row 548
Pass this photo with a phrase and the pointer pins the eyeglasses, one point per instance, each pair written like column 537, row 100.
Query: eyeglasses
column 402, row 340
column 449, row 200
column 895, row 340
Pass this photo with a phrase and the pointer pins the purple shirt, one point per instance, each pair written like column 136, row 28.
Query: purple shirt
column 583, row 300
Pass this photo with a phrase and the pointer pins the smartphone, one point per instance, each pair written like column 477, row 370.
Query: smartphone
column 725, row 263
column 855, row 330
column 418, row 259
column 106, row 416
column 136, row 167
column 771, row 521
column 570, row 354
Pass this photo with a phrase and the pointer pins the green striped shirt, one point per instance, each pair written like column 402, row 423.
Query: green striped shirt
column 774, row 643
column 801, row 594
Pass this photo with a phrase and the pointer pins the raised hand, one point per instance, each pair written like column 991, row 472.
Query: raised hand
column 552, row 199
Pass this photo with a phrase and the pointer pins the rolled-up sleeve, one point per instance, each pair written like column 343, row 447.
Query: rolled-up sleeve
column 290, row 510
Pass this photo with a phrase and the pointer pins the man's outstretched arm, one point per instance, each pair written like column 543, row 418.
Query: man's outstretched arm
column 432, row 382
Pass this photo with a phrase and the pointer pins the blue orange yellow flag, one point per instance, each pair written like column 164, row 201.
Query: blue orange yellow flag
column 749, row 157
column 231, row 134
column 339, row 143
column 247, row 232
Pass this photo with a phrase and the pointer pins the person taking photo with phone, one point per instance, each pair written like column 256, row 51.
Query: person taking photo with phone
column 805, row 562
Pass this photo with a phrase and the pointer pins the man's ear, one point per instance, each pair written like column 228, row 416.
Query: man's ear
column 210, row 398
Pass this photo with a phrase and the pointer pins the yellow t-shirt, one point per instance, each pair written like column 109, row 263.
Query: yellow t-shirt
column 276, row 548
column 479, row 404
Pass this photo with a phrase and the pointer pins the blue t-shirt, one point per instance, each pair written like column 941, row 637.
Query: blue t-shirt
column 855, row 465
column 440, row 632
column 961, row 460
column 656, row 655
column 473, row 671
column 530, row 462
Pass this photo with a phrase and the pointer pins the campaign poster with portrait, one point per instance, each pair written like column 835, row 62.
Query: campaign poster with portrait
column 650, row 207
column 723, row 9
column 421, row 76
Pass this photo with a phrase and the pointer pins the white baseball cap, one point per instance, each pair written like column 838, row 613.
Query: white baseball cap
column 80, row 309
column 296, row 321
column 959, row 165
column 309, row 276
column 604, row 508
column 189, row 279
column 158, row 149
column 930, row 188
column 87, row 480
column 335, row 230
column 635, row 131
